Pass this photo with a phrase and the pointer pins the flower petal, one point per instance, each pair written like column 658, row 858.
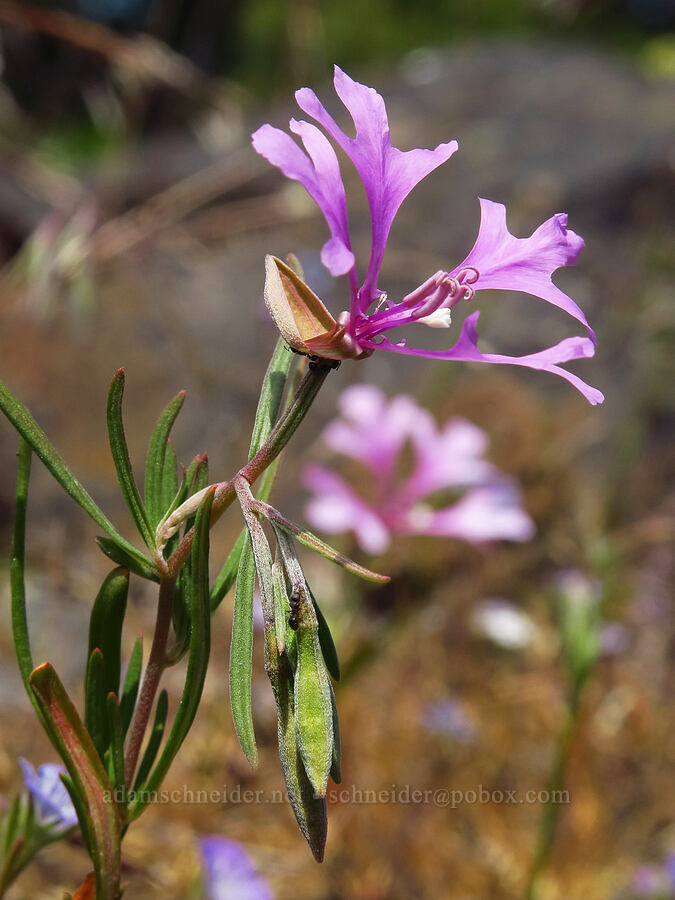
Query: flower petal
column 466, row 350
column 336, row 508
column 318, row 171
column 508, row 263
column 388, row 174
column 489, row 513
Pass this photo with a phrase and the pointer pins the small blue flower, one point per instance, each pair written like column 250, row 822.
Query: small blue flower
column 447, row 717
column 229, row 873
column 53, row 806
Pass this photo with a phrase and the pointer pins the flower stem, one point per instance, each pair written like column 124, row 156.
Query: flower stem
column 151, row 678
column 282, row 432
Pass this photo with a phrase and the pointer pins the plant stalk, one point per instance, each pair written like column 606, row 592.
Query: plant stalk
column 151, row 678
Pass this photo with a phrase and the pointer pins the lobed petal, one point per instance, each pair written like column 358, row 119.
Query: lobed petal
column 508, row 263
column 318, row 171
column 466, row 350
column 388, row 174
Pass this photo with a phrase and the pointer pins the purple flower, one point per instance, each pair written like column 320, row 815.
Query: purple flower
column 447, row 717
column 229, row 874
column 52, row 803
column 375, row 432
column 498, row 260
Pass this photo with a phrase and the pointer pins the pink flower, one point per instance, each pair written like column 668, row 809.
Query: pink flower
column 498, row 260
column 374, row 432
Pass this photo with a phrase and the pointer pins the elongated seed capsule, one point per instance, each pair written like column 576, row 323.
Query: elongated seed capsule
column 313, row 705
column 310, row 810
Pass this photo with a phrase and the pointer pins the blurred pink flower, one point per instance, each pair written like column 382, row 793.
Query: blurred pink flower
column 374, row 432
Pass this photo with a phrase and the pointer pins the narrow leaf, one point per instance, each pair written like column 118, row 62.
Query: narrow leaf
column 335, row 766
column 120, row 455
column 95, row 715
column 131, row 684
column 200, row 646
column 31, row 432
column 105, row 625
column 314, row 543
column 76, row 749
column 241, row 653
column 228, row 574
column 17, row 581
column 328, row 647
column 156, row 479
column 116, row 744
column 137, row 563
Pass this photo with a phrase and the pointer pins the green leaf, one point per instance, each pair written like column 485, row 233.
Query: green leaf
column 241, row 653
column 131, row 684
column 271, row 395
column 120, row 455
column 116, row 744
column 157, row 480
column 20, row 631
column 31, row 432
column 198, row 658
column 335, row 767
column 281, row 606
column 328, row 647
column 74, row 745
column 95, row 714
column 155, row 740
column 137, row 563
column 228, row 574
column 80, row 812
column 314, row 543
column 105, row 625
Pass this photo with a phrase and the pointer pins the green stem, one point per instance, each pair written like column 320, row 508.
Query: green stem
column 555, row 786
column 282, row 432
column 151, row 678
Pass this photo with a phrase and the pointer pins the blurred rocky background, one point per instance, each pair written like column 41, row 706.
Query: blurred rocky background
column 134, row 218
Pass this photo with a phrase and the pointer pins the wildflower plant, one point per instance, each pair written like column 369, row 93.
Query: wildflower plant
column 118, row 749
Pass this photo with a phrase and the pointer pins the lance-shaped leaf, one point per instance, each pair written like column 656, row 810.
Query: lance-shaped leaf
column 89, row 778
column 328, row 647
column 138, row 564
column 241, row 652
column 228, row 573
column 116, row 741
column 314, row 543
column 31, row 432
column 198, row 657
column 95, row 713
column 17, row 581
column 156, row 478
column 105, row 625
column 335, row 765
column 281, row 606
column 131, row 684
column 120, row 455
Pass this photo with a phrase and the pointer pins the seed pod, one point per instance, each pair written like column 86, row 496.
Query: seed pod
column 313, row 705
column 309, row 810
column 301, row 317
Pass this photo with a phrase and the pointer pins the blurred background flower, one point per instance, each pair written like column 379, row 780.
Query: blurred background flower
column 53, row 807
column 379, row 434
column 229, row 874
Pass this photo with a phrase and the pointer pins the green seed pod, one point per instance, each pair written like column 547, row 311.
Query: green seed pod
column 313, row 704
column 310, row 810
